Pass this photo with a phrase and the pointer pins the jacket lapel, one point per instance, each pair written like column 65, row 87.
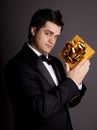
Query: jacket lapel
column 40, row 66
column 42, row 69
column 56, row 69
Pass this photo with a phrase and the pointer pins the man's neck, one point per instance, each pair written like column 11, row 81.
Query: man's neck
column 35, row 50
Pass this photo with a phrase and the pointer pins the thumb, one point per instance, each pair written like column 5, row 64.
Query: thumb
column 67, row 69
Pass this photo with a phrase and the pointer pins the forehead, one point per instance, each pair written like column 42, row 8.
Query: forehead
column 54, row 28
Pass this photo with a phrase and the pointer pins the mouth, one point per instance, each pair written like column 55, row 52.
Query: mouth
column 49, row 46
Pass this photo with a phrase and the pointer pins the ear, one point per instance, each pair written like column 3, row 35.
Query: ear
column 33, row 31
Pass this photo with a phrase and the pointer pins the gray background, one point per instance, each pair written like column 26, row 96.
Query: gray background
column 80, row 17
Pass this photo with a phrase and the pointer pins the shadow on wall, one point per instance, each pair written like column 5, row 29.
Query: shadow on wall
column 6, row 113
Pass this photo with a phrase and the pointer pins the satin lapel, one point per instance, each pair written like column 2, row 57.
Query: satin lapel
column 45, row 73
column 56, row 69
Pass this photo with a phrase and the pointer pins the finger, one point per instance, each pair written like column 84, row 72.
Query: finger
column 67, row 67
column 83, row 63
column 85, row 67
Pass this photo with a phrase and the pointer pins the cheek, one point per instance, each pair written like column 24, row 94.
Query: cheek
column 40, row 41
column 43, row 40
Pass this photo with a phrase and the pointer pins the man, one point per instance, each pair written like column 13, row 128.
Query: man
column 42, row 92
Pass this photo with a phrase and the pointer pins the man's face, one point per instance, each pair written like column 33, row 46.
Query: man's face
column 45, row 38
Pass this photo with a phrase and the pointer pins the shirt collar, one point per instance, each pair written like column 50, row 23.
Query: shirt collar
column 36, row 51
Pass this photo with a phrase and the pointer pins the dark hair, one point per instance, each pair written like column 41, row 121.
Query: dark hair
column 41, row 16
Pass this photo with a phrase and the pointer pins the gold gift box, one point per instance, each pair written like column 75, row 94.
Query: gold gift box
column 76, row 50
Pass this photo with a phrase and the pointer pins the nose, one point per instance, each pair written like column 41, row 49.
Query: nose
column 52, row 40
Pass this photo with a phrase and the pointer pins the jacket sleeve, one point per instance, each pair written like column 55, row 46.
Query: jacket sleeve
column 76, row 100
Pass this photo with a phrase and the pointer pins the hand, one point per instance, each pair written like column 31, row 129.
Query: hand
column 78, row 73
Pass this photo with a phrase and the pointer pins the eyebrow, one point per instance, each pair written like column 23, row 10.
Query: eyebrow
column 52, row 32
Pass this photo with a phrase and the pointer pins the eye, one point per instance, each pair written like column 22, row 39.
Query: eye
column 56, row 37
column 48, row 33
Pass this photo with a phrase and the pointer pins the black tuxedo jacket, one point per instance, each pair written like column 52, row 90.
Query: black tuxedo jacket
column 38, row 104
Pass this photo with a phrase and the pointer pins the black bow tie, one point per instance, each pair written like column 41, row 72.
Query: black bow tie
column 48, row 60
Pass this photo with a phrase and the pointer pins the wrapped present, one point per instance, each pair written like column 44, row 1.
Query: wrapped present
column 75, row 50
